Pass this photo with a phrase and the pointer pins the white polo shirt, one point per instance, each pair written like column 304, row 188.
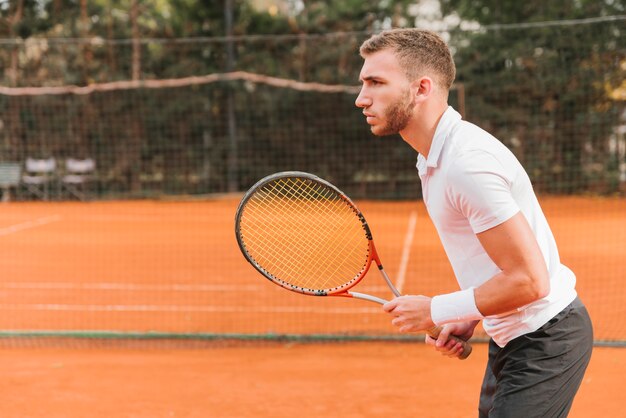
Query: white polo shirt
column 471, row 182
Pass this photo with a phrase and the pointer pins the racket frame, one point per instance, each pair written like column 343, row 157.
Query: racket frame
column 340, row 290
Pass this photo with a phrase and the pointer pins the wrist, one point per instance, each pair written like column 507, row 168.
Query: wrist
column 454, row 307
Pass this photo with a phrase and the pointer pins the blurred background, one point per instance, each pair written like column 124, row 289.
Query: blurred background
column 129, row 130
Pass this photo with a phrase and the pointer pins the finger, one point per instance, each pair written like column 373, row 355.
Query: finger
column 400, row 323
column 453, row 346
column 443, row 337
column 405, row 329
column 390, row 306
column 455, row 349
column 452, row 353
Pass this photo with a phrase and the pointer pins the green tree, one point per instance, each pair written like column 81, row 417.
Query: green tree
column 541, row 88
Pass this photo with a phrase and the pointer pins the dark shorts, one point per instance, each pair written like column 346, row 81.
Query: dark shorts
column 538, row 374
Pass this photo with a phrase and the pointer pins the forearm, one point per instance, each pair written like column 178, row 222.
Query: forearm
column 506, row 292
column 502, row 293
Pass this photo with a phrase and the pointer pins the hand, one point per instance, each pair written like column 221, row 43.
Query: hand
column 411, row 313
column 448, row 346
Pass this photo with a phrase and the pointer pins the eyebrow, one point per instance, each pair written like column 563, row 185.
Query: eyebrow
column 369, row 78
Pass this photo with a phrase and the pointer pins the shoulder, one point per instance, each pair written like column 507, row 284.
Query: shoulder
column 472, row 150
column 477, row 174
column 475, row 167
column 467, row 137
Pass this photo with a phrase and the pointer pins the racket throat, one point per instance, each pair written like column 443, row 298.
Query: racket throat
column 395, row 291
column 376, row 259
column 366, row 297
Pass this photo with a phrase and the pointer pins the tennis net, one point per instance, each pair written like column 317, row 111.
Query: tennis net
column 143, row 245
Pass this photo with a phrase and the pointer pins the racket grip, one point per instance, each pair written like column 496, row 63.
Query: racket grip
column 467, row 347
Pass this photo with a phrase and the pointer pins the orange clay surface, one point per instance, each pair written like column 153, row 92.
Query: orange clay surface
column 351, row 380
column 154, row 266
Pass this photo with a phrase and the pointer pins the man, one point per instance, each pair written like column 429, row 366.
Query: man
column 493, row 230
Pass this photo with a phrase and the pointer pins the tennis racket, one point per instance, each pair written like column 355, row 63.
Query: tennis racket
column 307, row 236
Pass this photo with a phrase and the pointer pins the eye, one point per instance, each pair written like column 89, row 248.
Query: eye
column 372, row 82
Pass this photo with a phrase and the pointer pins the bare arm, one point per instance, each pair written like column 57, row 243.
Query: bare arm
column 523, row 278
column 524, row 275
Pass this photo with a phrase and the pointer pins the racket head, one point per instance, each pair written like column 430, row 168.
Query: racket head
column 304, row 234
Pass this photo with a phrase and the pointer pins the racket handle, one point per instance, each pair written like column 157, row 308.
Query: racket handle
column 467, row 348
column 433, row 332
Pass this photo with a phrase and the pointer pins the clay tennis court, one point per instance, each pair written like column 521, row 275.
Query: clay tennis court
column 173, row 268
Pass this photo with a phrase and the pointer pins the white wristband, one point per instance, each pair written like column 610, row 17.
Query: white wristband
column 454, row 307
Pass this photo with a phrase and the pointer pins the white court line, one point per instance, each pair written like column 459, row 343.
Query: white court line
column 29, row 224
column 182, row 308
column 133, row 287
column 406, row 251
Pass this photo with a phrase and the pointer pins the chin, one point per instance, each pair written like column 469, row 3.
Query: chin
column 380, row 131
column 376, row 129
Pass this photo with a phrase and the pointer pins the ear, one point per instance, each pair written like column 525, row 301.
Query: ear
column 422, row 88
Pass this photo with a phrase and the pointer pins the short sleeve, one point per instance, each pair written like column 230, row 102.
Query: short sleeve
column 479, row 187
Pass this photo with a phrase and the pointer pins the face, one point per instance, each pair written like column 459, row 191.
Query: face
column 385, row 96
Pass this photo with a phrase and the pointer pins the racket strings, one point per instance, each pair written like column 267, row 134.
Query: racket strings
column 305, row 234
column 336, row 206
column 309, row 246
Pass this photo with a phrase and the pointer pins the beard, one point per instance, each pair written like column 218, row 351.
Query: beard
column 397, row 115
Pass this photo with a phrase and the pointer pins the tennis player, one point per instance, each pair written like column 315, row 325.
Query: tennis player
column 493, row 230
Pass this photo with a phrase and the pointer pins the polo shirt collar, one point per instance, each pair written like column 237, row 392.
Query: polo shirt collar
column 447, row 122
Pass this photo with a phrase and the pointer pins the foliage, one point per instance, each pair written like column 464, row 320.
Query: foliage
column 541, row 89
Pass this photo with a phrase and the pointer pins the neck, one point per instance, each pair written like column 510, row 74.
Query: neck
column 420, row 132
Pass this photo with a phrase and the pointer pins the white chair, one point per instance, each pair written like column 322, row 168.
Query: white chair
column 10, row 174
column 39, row 176
column 78, row 175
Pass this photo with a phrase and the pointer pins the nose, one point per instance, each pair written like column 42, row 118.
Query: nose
column 362, row 100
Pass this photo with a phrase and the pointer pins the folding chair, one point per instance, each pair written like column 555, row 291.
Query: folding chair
column 78, row 175
column 10, row 174
column 39, row 176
